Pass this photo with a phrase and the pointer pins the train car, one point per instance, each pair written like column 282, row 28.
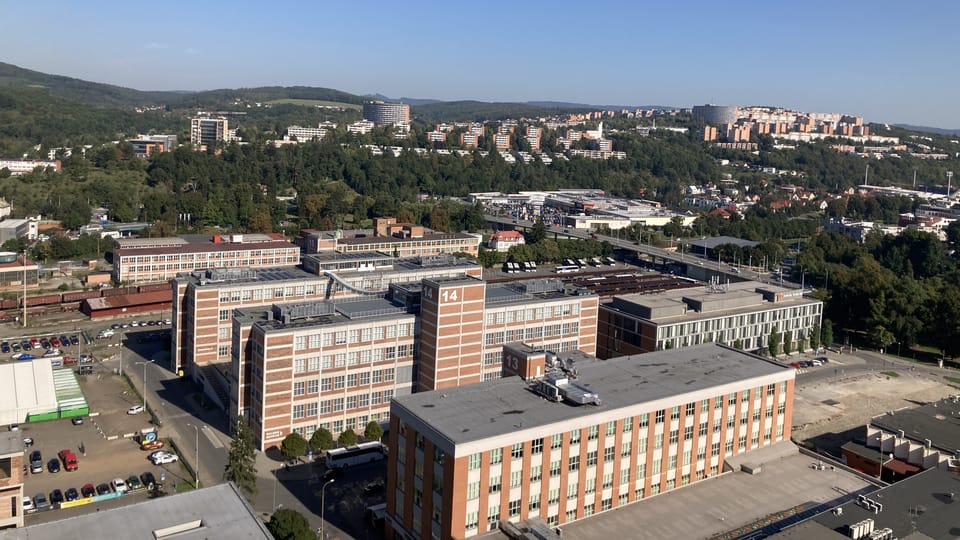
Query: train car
column 78, row 296
column 43, row 300
column 118, row 291
column 154, row 287
column 9, row 303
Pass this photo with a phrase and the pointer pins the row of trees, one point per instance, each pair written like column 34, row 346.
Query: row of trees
column 294, row 445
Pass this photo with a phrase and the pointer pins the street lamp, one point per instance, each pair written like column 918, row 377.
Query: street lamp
column 144, row 383
column 196, row 467
column 323, row 506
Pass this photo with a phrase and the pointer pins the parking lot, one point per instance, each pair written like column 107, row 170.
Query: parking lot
column 104, row 442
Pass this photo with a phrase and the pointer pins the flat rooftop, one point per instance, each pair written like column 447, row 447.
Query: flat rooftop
column 218, row 277
column 494, row 408
column 215, row 512
column 427, row 237
column 10, row 443
column 786, row 485
column 325, row 313
column 922, row 506
column 938, row 421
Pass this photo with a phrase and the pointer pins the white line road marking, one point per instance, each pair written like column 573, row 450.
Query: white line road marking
column 212, row 437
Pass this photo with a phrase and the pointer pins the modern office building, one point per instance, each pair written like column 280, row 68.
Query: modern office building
column 145, row 146
column 28, row 228
column 305, row 133
column 138, row 260
column 386, row 114
column 12, row 455
column 717, row 115
column 322, row 364
column 742, row 314
column 208, row 130
column 575, row 439
column 465, row 322
column 15, row 269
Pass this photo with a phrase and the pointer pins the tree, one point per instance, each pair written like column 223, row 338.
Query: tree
column 286, row 524
column 260, row 222
column 322, row 439
column 537, row 233
column 241, row 466
column 773, row 343
column 373, row 432
column 815, row 337
column 293, row 446
column 827, row 333
column 738, row 343
column 787, row 343
column 347, row 438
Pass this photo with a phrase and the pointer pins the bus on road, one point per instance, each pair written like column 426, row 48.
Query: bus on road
column 567, row 268
column 339, row 458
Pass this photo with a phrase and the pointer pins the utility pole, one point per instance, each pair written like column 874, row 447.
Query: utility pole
column 25, row 288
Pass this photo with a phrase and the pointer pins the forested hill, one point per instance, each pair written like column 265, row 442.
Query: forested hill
column 86, row 92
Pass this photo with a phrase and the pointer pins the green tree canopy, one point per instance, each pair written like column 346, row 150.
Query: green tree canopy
column 347, row 438
column 321, row 439
column 286, row 524
column 293, row 446
column 373, row 431
column 241, row 468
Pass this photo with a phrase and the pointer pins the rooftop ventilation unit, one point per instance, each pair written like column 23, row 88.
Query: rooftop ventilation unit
column 562, row 389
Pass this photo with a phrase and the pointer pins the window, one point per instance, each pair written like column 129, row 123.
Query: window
column 593, row 432
column 625, row 449
column 496, row 456
column 556, row 441
column 514, row 508
column 624, row 476
column 298, row 411
column 674, row 436
column 517, row 451
column 608, row 480
column 494, row 484
column 644, row 420
column 691, row 408
column 536, row 473
column 534, row 502
column 516, row 478
column 224, row 315
column 658, row 441
column 611, row 428
column 627, row 425
column 493, row 515
column 661, row 414
column 473, row 520
column 688, row 433
column 313, row 386
column 572, row 489
column 473, row 462
column 675, row 413
column 591, row 458
column 299, row 388
column 671, row 462
column 555, row 468
column 553, row 496
column 536, row 447
column 608, row 454
column 575, row 436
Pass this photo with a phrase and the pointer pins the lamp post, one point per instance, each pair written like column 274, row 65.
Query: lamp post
column 196, row 468
column 323, row 506
column 144, row 383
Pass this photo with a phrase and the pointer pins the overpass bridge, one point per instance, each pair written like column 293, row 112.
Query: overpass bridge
column 693, row 266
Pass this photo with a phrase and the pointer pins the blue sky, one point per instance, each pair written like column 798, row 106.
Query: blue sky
column 888, row 61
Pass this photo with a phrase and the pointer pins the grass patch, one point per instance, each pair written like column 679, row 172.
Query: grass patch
column 314, row 103
column 954, row 380
column 892, row 374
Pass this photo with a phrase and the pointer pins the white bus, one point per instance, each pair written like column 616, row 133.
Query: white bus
column 567, row 268
column 339, row 458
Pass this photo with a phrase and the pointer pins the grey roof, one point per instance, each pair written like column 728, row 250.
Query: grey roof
column 938, row 421
column 221, row 510
column 488, row 409
column 10, row 443
column 324, row 313
column 272, row 273
column 710, row 243
column 862, row 450
column 919, row 504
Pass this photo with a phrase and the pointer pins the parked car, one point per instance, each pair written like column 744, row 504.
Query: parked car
column 45, row 343
column 23, row 356
column 118, row 485
column 27, row 442
column 136, row 409
column 14, row 427
column 88, row 490
column 34, row 342
column 103, row 489
column 152, row 445
column 134, row 483
column 70, row 462
column 54, row 341
column 148, row 479
column 53, row 466
column 40, row 501
column 74, row 340
column 823, row 359
column 51, row 353
column 36, row 462
column 15, row 347
column 4, row 347
column 28, row 504
column 76, row 420
column 56, row 496
column 71, row 495
column 164, row 458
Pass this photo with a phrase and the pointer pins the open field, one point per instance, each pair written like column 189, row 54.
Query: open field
column 314, row 103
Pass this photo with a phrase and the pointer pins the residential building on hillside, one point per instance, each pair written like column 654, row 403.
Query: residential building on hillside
column 386, row 114
column 145, row 146
column 305, row 133
column 138, row 260
column 209, row 130
column 19, row 167
column 744, row 314
column 576, row 438
column 28, row 228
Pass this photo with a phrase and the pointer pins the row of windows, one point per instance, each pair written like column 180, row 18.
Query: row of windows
column 259, row 295
column 532, row 314
column 353, row 358
column 353, row 336
column 538, row 332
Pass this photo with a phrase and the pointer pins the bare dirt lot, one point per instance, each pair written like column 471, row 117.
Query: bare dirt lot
column 830, row 413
